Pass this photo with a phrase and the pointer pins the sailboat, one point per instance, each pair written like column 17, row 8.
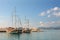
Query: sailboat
column 15, row 29
column 27, row 29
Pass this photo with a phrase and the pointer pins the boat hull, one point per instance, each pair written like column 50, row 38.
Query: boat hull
column 13, row 30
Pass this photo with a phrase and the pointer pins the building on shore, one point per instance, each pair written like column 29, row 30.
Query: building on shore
column 34, row 29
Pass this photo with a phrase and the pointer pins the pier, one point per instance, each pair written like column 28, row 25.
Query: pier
column 2, row 29
column 32, row 30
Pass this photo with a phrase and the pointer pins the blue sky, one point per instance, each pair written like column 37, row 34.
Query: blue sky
column 32, row 9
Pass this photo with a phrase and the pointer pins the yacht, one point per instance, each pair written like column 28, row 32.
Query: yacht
column 15, row 29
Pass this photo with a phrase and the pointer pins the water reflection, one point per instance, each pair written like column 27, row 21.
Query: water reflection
column 13, row 36
column 23, row 36
column 47, row 35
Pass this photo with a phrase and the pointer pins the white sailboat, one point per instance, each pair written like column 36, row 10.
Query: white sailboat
column 14, row 30
column 27, row 29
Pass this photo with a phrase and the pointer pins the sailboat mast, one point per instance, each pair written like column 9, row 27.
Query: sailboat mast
column 19, row 22
column 25, row 22
column 12, row 19
column 28, row 22
column 15, row 16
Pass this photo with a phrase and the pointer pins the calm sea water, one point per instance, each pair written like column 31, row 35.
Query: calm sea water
column 46, row 35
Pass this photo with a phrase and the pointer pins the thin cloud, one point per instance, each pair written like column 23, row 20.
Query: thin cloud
column 42, row 24
column 49, row 15
column 48, row 11
column 42, row 14
column 56, row 8
column 57, row 14
column 51, row 12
